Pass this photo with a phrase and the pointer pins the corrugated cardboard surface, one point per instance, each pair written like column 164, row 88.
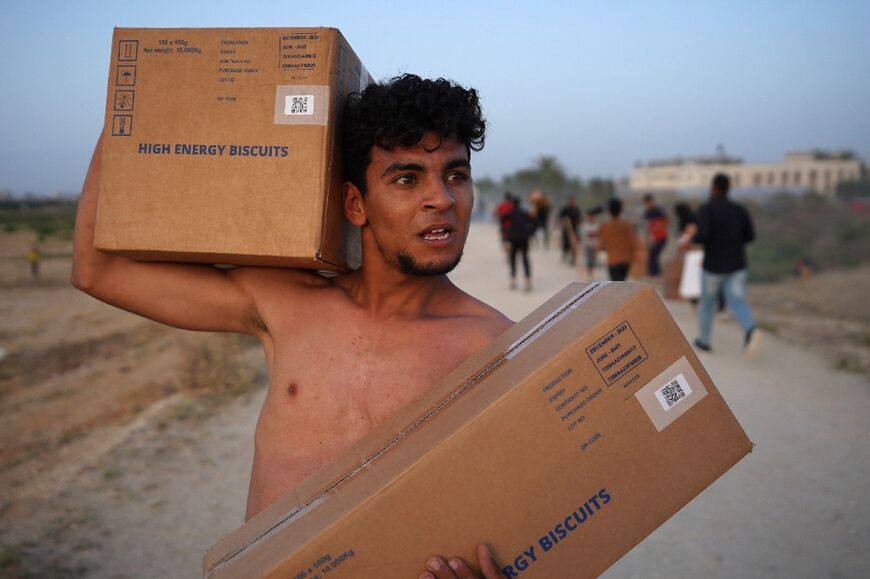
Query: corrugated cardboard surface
column 545, row 445
column 221, row 145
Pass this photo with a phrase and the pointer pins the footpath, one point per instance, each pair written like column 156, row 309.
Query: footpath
column 796, row 507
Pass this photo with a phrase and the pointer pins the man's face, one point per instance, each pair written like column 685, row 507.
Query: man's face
column 419, row 203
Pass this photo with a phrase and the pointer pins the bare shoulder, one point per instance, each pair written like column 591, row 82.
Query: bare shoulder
column 488, row 315
column 483, row 321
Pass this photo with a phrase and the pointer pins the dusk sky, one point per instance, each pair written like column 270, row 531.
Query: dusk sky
column 598, row 85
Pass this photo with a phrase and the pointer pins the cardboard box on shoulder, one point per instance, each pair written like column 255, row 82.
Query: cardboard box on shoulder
column 221, row 146
column 566, row 442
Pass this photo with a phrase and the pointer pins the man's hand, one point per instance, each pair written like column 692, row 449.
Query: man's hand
column 455, row 568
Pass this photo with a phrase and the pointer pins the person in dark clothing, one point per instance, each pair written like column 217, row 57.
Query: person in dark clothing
column 569, row 221
column 541, row 214
column 657, row 234
column 724, row 229
column 501, row 213
column 521, row 226
column 687, row 228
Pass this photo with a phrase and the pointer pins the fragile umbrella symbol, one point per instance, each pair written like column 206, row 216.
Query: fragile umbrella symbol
column 126, row 74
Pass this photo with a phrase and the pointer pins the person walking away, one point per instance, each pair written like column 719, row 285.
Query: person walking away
column 520, row 228
column 541, row 214
column 33, row 256
column 589, row 237
column 501, row 214
column 569, row 220
column 724, row 229
column 657, row 234
column 618, row 238
column 692, row 255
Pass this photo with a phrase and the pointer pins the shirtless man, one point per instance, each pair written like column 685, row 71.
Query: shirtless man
column 354, row 349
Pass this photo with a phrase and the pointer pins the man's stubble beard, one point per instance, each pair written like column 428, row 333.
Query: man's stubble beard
column 409, row 266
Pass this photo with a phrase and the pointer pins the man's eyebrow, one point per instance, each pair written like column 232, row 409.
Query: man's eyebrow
column 399, row 167
column 458, row 163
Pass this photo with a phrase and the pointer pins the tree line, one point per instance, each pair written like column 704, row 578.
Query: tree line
column 547, row 174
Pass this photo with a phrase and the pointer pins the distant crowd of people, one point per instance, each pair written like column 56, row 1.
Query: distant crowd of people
column 709, row 266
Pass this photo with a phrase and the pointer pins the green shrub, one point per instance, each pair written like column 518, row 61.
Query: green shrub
column 45, row 218
column 811, row 227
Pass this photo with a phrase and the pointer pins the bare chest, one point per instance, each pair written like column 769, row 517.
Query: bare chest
column 332, row 386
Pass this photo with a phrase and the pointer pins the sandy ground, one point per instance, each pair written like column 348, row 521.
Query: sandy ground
column 126, row 445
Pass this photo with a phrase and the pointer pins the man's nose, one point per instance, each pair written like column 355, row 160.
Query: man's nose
column 438, row 196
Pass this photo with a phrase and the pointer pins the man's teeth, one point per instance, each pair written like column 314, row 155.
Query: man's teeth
column 436, row 234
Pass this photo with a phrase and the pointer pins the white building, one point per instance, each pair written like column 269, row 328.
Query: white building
column 801, row 171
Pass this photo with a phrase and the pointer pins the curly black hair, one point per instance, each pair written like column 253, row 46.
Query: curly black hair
column 398, row 112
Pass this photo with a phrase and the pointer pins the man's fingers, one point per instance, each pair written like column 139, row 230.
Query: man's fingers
column 462, row 570
column 488, row 566
column 455, row 568
column 438, row 569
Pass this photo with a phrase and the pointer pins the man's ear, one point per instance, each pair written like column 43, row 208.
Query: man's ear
column 354, row 204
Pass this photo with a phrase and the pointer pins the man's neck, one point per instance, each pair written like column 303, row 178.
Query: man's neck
column 386, row 292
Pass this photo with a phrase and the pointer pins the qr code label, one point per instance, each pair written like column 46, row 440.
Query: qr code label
column 299, row 104
column 673, row 392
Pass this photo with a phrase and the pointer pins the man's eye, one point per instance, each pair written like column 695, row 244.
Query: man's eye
column 458, row 177
column 405, row 180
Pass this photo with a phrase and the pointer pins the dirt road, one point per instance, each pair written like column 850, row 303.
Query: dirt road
column 143, row 497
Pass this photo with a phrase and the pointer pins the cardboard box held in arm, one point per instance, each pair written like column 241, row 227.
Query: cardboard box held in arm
column 221, row 146
column 563, row 444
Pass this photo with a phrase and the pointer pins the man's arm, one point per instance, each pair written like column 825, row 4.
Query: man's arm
column 194, row 297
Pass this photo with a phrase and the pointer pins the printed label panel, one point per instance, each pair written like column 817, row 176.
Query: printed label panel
column 301, row 105
column 616, row 353
column 298, row 52
column 671, row 394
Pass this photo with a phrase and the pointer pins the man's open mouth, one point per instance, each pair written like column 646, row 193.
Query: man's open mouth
column 437, row 234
